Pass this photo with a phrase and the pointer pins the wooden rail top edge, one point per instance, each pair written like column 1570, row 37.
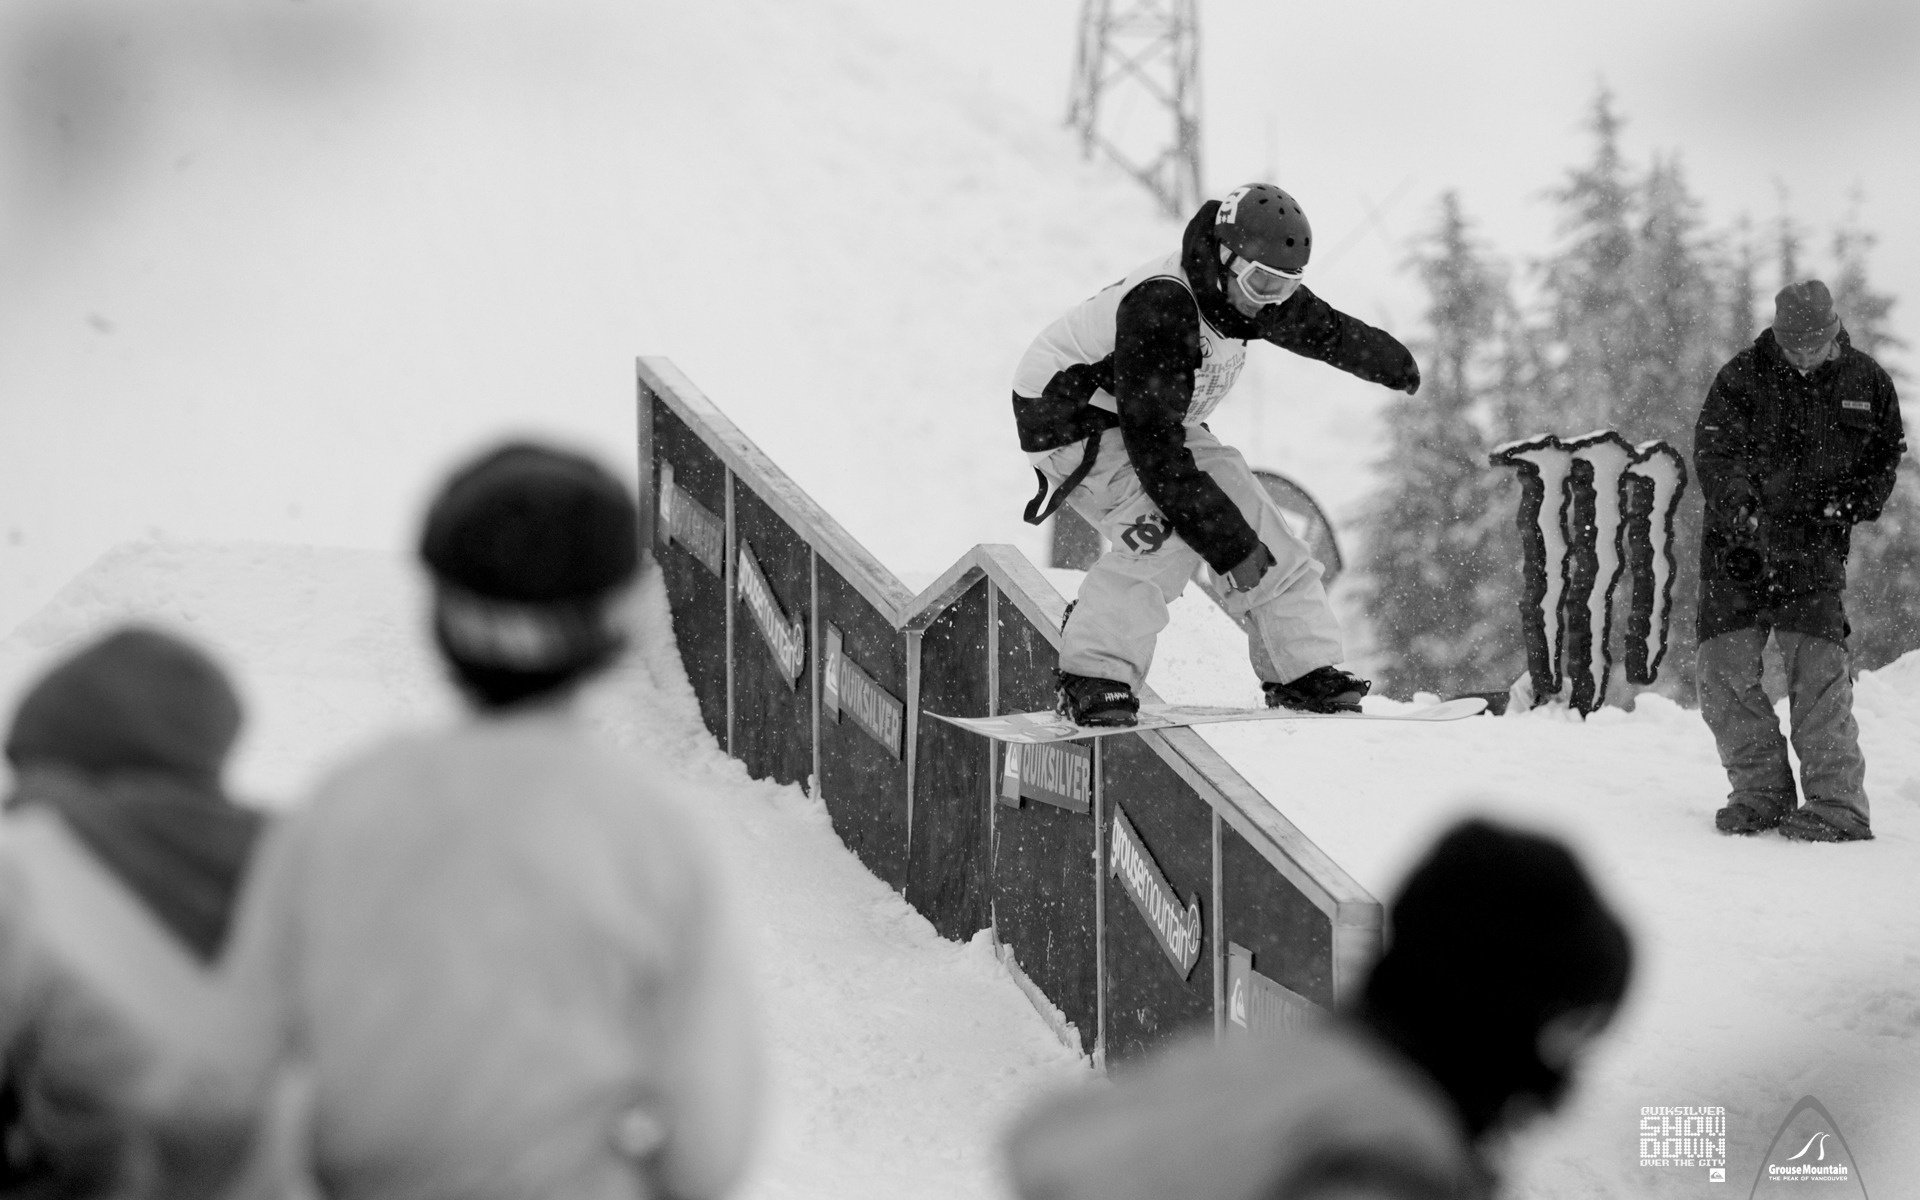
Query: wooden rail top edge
column 764, row 477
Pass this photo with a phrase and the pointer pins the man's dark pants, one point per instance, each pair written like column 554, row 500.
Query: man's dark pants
column 1820, row 704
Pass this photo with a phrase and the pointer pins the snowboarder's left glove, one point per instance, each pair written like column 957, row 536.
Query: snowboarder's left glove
column 1409, row 381
column 1252, row 568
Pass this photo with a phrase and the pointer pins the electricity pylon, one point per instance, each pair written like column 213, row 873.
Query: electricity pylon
column 1134, row 50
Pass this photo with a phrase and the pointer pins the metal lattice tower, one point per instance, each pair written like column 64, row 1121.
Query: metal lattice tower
column 1135, row 52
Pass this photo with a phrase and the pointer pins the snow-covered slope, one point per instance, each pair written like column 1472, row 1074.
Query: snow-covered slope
column 1768, row 970
column 896, row 1055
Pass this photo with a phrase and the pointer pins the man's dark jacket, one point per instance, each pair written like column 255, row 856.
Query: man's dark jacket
column 1807, row 456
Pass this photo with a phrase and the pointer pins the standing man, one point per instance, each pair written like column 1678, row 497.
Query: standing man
column 500, row 951
column 1111, row 400
column 1799, row 439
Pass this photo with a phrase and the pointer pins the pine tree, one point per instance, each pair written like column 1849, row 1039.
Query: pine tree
column 1440, row 563
column 1883, row 572
column 1742, row 293
column 1587, row 285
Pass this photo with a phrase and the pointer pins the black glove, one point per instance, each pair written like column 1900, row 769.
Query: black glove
column 1252, row 568
column 1408, row 379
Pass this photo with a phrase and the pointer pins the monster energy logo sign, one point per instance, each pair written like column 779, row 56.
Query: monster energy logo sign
column 1593, row 510
column 787, row 640
column 1177, row 929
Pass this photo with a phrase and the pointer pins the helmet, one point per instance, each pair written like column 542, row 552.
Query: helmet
column 1262, row 224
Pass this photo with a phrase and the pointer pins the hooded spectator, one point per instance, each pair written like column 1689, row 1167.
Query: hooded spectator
column 121, row 859
column 1503, row 964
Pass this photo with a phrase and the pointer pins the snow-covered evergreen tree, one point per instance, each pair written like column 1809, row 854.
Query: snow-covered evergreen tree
column 1440, row 563
column 1883, row 573
column 1588, row 287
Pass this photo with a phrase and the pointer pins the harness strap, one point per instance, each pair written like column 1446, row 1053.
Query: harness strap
column 1034, row 513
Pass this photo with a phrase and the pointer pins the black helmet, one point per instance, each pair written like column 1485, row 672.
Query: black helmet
column 1262, row 224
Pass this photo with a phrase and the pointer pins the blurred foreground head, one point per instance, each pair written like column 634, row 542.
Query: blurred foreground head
column 1504, row 962
column 127, row 740
column 137, row 699
column 531, row 550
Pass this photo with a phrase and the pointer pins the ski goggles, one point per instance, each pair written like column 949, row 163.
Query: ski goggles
column 1268, row 285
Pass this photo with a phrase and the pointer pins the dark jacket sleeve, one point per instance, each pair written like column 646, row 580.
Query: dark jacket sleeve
column 1722, row 447
column 1309, row 326
column 1156, row 351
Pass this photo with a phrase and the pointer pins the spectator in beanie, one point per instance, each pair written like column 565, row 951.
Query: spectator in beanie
column 499, row 950
column 120, row 859
column 1798, row 441
column 1504, row 964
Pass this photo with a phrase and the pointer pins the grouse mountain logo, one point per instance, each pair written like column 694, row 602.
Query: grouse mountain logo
column 1809, row 1154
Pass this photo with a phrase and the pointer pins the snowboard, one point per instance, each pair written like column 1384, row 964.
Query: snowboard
column 1033, row 728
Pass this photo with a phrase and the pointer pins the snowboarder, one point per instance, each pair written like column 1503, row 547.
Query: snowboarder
column 1111, row 401
column 1799, row 439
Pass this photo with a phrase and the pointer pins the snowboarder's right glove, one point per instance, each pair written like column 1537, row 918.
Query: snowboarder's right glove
column 1252, row 568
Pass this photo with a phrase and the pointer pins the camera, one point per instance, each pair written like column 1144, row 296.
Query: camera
column 1743, row 560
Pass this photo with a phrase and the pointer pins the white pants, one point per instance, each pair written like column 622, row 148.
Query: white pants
column 1122, row 605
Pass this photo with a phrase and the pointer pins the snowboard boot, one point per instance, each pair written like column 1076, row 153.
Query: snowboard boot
column 1321, row 690
column 1088, row 700
column 1807, row 825
column 1744, row 819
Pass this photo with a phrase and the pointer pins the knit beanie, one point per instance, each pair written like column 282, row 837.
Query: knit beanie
column 1495, row 933
column 137, row 698
column 1803, row 317
column 528, row 546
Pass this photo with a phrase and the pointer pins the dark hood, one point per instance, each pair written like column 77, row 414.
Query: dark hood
column 1200, row 259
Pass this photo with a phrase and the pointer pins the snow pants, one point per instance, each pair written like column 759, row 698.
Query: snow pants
column 1820, row 706
column 1122, row 605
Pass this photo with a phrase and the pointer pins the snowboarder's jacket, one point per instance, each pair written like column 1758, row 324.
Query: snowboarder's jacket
column 1809, row 455
column 1157, row 352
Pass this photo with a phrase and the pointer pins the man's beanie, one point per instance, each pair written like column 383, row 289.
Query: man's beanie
column 1803, row 316
column 137, row 699
column 527, row 545
column 1494, row 933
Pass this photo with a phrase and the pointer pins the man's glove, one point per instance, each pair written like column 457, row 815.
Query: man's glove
column 1847, row 504
column 1252, row 568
